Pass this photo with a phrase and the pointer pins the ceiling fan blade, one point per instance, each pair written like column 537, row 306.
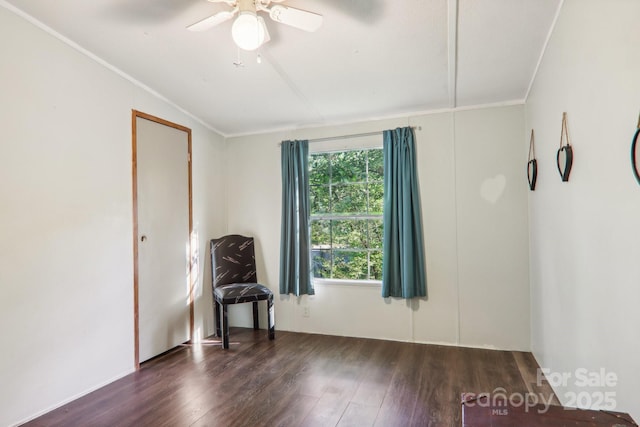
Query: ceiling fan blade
column 212, row 21
column 301, row 19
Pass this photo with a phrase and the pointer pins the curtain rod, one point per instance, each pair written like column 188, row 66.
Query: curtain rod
column 353, row 135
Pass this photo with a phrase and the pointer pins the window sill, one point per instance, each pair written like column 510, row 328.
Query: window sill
column 355, row 283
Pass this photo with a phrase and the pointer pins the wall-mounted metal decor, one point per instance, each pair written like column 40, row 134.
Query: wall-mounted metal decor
column 564, row 157
column 634, row 153
column 532, row 164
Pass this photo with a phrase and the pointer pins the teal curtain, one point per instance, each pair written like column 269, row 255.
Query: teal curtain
column 403, row 265
column 295, row 273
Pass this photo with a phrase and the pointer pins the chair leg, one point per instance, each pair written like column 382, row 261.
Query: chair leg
column 271, row 324
column 217, row 318
column 225, row 327
column 256, row 323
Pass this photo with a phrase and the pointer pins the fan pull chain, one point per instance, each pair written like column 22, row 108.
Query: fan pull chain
column 238, row 62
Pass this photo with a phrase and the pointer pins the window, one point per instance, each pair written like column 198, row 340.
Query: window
column 346, row 195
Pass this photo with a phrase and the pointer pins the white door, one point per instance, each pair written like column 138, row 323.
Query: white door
column 162, row 154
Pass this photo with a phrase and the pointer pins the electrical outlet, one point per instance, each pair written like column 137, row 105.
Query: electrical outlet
column 305, row 311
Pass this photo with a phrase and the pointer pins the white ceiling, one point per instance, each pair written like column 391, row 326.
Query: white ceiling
column 370, row 59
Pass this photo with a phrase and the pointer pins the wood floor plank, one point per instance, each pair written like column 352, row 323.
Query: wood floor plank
column 285, row 385
column 433, row 376
column 341, row 372
column 300, row 380
column 359, row 415
column 402, row 393
column 297, row 407
column 445, row 406
column 378, row 370
column 528, row 368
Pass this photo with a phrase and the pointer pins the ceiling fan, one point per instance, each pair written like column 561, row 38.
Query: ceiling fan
column 249, row 30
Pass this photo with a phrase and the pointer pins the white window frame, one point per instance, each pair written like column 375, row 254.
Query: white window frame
column 338, row 145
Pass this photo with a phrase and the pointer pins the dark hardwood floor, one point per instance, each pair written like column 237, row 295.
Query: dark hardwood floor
column 301, row 380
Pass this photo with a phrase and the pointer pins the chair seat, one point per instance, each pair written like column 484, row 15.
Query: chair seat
column 237, row 293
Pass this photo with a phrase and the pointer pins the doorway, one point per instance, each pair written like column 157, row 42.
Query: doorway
column 162, row 215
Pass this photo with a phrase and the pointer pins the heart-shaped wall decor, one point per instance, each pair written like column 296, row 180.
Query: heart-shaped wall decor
column 532, row 173
column 564, row 167
column 492, row 188
column 564, row 157
column 532, row 164
column 634, row 154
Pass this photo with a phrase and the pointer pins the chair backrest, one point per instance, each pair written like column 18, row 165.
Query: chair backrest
column 233, row 260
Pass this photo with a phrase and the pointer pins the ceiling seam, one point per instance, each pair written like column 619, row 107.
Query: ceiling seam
column 41, row 25
column 452, row 41
column 544, row 50
column 285, row 77
column 381, row 118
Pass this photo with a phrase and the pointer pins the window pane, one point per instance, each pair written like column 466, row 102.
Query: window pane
column 319, row 169
column 321, row 263
column 350, row 234
column 319, row 198
column 375, row 233
column 349, row 166
column 350, row 265
column 376, row 199
column 376, row 265
column 320, row 234
column 375, row 166
column 349, row 199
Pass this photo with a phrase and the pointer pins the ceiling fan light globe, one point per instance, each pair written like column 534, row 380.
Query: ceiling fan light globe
column 247, row 32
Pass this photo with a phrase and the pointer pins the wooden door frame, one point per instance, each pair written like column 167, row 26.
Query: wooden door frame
column 135, row 114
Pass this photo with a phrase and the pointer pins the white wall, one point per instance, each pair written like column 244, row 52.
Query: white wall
column 476, row 249
column 66, row 277
column 492, row 228
column 585, row 256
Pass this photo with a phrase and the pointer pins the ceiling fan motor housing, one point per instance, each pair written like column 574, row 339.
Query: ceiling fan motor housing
column 247, row 6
